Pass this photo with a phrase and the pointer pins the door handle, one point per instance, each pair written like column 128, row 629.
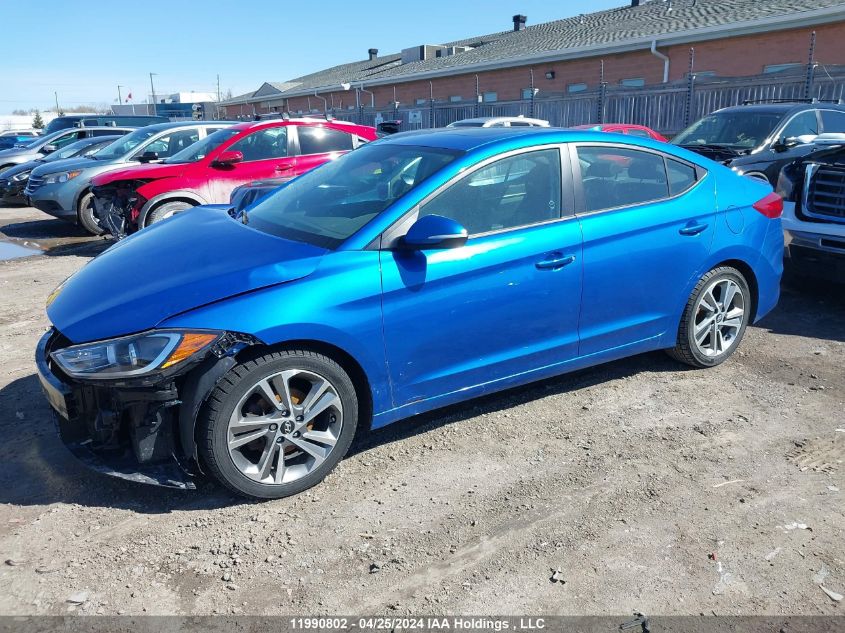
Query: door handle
column 693, row 229
column 284, row 167
column 555, row 263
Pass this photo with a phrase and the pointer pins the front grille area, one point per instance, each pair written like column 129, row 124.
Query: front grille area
column 825, row 192
column 32, row 184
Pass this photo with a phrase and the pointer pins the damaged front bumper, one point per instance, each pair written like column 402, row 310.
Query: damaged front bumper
column 138, row 432
column 117, row 207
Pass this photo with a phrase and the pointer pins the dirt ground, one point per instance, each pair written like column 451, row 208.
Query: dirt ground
column 651, row 487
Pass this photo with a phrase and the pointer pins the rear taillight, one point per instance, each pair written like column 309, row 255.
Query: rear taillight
column 771, row 206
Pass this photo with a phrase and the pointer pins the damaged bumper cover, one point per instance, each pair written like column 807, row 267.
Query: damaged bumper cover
column 117, row 207
column 141, row 430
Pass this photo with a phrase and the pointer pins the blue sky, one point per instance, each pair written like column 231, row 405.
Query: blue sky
column 83, row 49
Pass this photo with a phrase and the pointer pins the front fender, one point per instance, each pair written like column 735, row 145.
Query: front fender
column 154, row 199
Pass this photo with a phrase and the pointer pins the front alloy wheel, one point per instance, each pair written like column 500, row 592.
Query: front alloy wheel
column 278, row 424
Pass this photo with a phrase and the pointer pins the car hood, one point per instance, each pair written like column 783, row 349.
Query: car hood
column 141, row 172
column 22, row 167
column 14, row 152
column 66, row 164
column 193, row 259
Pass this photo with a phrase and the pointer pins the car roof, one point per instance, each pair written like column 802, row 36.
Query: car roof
column 158, row 127
column 471, row 138
column 254, row 125
column 783, row 107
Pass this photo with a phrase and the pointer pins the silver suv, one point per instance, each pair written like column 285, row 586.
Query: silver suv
column 63, row 189
column 43, row 145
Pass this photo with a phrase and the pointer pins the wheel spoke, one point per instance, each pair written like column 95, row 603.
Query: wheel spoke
column 268, row 460
column 325, row 401
column 709, row 302
column 269, row 394
column 246, row 438
column 323, row 437
column 735, row 322
column 728, row 294
column 317, row 452
column 702, row 328
column 314, row 394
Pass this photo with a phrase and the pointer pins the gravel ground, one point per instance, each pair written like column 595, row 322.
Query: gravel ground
column 650, row 487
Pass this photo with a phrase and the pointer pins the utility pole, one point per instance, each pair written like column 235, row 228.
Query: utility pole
column 153, row 91
column 217, row 105
column 218, row 88
column 119, row 96
column 56, row 94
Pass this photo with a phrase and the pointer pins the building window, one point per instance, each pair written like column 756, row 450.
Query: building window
column 635, row 82
column 421, row 101
column 455, row 99
column 526, row 92
column 489, row 97
column 576, row 87
column 705, row 73
column 777, row 68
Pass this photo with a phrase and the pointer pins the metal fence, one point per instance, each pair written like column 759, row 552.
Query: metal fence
column 667, row 108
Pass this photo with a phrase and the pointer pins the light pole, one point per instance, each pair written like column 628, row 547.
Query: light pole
column 119, row 96
column 56, row 94
column 153, row 91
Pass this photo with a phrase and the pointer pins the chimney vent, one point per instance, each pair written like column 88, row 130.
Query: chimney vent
column 373, row 52
column 519, row 22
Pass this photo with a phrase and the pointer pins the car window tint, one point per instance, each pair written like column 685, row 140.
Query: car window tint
column 319, row 140
column 833, row 121
column 801, row 125
column 263, row 145
column 636, row 132
column 681, row 176
column 514, row 191
column 104, row 132
column 615, row 177
column 67, row 139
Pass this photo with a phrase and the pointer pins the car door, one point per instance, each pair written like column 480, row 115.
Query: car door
column 648, row 222
column 503, row 304
column 317, row 144
column 267, row 154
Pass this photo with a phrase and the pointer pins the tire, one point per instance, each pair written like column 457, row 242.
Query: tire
column 719, row 328
column 166, row 210
column 85, row 215
column 243, row 452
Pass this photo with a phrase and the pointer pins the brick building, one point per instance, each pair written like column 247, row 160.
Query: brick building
column 642, row 43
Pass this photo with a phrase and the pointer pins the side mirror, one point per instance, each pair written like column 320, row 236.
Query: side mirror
column 148, row 157
column 48, row 149
column 227, row 159
column 434, row 231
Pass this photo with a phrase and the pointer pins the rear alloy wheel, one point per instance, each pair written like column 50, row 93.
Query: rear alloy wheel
column 714, row 319
column 167, row 210
column 279, row 424
column 85, row 215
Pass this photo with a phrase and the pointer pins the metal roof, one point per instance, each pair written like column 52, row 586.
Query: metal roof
column 603, row 32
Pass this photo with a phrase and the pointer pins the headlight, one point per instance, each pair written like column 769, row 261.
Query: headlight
column 61, row 176
column 133, row 355
column 24, row 175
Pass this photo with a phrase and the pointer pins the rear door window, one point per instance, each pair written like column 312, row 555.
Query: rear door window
column 322, row 140
column 619, row 177
column 803, row 124
column 833, row 121
column 264, row 144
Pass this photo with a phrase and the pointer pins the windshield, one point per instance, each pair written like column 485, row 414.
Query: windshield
column 326, row 206
column 69, row 151
column 735, row 130
column 201, row 149
column 125, row 144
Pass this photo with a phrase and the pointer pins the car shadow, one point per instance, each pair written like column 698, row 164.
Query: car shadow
column 808, row 308
column 72, row 240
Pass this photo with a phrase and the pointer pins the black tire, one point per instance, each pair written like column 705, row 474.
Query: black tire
column 686, row 349
column 213, row 422
column 165, row 210
column 85, row 215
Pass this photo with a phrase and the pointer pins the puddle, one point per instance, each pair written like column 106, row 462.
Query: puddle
column 10, row 250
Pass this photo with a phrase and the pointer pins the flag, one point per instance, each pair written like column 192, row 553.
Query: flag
column 128, row 97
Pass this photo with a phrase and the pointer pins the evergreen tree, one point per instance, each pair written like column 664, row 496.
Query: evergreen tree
column 37, row 121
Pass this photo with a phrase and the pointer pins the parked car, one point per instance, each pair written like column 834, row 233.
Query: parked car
column 500, row 121
column 23, row 132
column 130, row 199
column 623, row 128
column 758, row 140
column 13, row 181
column 49, row 143
column 12, row 140
column 813, row 188
column 248, row 194
column 413, row 273
column 64, row 189
column 98, row 120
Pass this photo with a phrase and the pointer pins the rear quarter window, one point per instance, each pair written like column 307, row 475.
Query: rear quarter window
column 833, row 121
column 321, row 140
column 681, row 176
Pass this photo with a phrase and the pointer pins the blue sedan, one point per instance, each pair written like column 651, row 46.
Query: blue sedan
column 418, row 271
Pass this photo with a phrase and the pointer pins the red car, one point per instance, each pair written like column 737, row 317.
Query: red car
column 207, row 171
column 623, row 128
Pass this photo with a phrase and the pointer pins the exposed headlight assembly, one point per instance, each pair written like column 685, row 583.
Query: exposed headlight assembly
column 61, row 176
column 135, row 355
column 24, row 175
